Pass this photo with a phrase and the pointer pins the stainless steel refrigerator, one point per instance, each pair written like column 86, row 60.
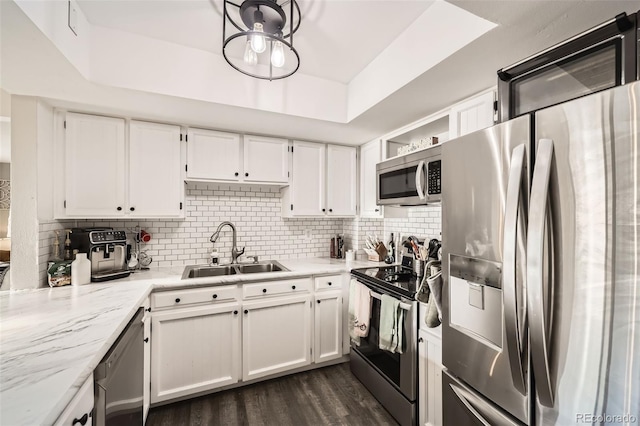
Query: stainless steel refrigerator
column 541, row 231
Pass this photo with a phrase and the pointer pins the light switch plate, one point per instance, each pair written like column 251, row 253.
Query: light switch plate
column 73, row 17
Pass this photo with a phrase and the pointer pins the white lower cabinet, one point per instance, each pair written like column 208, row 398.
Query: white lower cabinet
column 327, row 330
column 146, row 393
column 276, row 335
column 430, row 379
column 80, row 409
column 194, row 349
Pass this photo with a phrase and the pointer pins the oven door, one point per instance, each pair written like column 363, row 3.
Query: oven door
column 399, row 369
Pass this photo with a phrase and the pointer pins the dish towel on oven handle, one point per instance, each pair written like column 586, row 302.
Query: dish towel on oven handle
column 359, row 311
column 430, row 293
column 391, row 324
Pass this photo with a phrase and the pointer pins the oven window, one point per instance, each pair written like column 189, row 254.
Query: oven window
column 589, row 72
column 398, row 184
column 386, row 362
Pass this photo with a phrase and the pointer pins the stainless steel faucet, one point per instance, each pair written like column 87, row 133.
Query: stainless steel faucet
column 235, row 253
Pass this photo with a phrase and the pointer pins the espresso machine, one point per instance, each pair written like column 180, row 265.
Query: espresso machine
column 106, row 248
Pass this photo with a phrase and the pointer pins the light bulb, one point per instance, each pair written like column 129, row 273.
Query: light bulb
column 250, row 57
column 257, row 41
column 277, row 55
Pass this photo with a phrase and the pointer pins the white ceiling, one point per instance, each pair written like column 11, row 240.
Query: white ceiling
column 32, row 65
column 336, row 39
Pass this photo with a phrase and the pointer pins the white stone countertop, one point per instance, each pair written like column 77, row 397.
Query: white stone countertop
column 51, row 340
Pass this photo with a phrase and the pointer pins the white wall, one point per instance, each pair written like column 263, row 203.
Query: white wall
column 24, row 181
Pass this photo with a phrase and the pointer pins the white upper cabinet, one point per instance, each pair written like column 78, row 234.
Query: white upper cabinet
column 323, row 181
column 98, row 181
column 213, row 155
column 471, row 115
column 266, row 159
column 155, row 181
column 308, row 183
column 370, row 155
column 94, row 166
column 341, row 180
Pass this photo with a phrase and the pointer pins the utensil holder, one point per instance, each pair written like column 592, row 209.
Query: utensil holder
column 418, row 267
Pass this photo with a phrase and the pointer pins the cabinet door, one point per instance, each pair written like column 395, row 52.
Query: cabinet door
column 80, row 408
column 430, row 379
column 276, row 336
column 327, row 334
column 370, row 155
column 213, row 155
column 94, row 166
column 266, row 159
column 194, row 350
column 146, row 393
column 341, row 180
column 472, row 115
column 308, row 181
column 155, row 167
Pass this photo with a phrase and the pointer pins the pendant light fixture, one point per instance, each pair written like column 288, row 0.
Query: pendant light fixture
column 257, row 37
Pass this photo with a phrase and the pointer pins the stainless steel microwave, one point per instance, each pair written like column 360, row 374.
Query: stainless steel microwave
column 410, row 180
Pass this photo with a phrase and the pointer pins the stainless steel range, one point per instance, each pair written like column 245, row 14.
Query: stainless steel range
column 390, row 377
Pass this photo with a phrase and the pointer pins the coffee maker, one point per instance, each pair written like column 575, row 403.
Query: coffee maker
column 105, row 248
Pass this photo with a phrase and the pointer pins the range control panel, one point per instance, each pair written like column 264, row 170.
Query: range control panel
column 98, row 237
column 434, row 177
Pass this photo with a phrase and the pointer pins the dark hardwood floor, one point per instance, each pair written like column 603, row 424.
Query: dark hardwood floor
column 326, row 396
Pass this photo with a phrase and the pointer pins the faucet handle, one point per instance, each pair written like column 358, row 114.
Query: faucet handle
column 241, row 252
column 255, row 258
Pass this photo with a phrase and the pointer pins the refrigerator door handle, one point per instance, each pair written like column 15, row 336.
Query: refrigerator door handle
column 464, row 396
column 419, row 177
column 538, row 327
column 509, row 288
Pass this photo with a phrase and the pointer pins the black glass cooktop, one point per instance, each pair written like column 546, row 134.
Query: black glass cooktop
column 397, row 279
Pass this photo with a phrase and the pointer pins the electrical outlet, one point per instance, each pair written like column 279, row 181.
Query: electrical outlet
column 307, row 235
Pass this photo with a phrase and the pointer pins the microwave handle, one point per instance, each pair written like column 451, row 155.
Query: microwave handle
column 419, row 178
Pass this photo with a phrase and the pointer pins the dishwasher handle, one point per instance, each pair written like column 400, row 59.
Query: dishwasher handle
column 130, row 332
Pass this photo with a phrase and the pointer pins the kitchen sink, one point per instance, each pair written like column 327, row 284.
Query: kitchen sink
column 254, row 268
column 200, row 271
column 208, row 271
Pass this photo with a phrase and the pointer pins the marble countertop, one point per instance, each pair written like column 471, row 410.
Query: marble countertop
column 51, row 340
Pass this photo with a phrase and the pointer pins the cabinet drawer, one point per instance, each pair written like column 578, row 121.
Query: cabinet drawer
column 189, row 297
column 80, row 406
column 276, row 287
column 329, row 282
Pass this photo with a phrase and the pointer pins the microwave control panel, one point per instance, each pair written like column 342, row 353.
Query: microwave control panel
column 433, row 177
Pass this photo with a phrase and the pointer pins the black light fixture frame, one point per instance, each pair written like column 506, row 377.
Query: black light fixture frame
column 273, row 23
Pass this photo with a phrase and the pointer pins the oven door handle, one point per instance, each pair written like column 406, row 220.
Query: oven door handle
column 419, row 178
column 405, row 306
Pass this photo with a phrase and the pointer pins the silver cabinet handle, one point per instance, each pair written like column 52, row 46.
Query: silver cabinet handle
column 510, row 239
column 419, row 176
column 535, row 272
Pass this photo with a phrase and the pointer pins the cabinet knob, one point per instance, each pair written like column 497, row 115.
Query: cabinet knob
column 246, row 311
column 293, row 287
column 119, row 208
column 132, row 208
column 146, row 340
column 377, row 210
column 215, row 296
column 420, row 340
column 324, row 210
column 329, row 283
column 177, row 300
column 264, row 290
column 330, row 210
column 148, row 309
column 246, row 174
column 237, row 173
column 82, row 420
column 235, row 312
column 318, row 301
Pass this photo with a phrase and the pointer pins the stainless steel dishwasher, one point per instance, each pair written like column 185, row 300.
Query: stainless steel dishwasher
column 118, row 379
